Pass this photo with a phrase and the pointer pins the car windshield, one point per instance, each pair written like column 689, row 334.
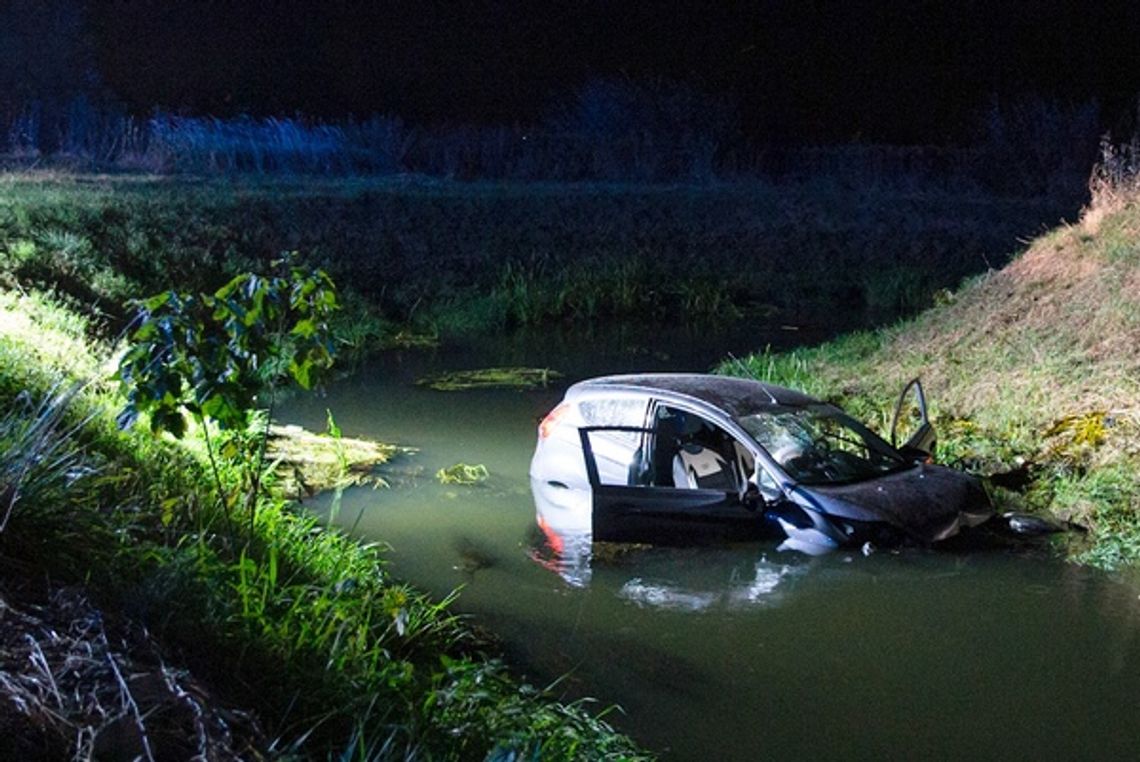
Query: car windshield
column 819, row 444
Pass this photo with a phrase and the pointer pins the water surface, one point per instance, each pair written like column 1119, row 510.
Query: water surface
column 737, row 652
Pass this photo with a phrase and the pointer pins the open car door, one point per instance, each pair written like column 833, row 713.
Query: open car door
column 624, row 511
column 911, row 421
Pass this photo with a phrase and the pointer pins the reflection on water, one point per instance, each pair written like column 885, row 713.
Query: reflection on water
column 760, row 590
column 564, row 546
column 738, row 652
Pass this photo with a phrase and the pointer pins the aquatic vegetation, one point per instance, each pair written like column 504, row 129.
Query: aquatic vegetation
column 462, row 473
column 410, row 339
column 306, row 463
column 490, row 378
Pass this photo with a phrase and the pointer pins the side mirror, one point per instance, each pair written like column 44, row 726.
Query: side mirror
column 751, row 498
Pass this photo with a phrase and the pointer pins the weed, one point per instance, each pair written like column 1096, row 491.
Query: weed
column 490, row 378
column 462, row 473
column 40, row 459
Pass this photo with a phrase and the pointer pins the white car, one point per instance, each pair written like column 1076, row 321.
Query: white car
column 680, row 457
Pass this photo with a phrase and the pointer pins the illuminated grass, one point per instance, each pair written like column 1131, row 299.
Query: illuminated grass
column 302, row 623
column 1034, row 365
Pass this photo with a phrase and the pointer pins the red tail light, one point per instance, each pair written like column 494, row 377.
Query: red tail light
column 551, row 420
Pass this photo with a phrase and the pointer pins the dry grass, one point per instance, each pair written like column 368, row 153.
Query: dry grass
column 70, row 689
column 1114, row 183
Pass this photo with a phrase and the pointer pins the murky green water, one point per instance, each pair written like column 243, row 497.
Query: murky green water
column 740, row 652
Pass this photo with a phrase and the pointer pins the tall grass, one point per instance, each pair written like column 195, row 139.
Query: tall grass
column 40, row 459
column 1115, row 180
column 488, row 256
column 302, row 623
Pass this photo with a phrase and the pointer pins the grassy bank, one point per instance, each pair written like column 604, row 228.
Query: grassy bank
column 455, row 257
column 1032, row 371
column 302, row 625
column 307, row 627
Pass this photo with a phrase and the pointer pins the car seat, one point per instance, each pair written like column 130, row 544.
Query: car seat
column 697, row 467
column 745, row 463
column 668, row 430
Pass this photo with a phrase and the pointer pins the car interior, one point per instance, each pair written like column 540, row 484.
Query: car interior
column 690, row 452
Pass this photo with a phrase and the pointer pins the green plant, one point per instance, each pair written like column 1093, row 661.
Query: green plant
column 211, row 355
column 462, row 473
column 39, row 455
column 475, row 703
column 18, row 253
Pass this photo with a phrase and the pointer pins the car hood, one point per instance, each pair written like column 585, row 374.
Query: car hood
column 927, row 502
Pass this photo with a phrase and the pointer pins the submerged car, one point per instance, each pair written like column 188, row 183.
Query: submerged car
column 680, row 457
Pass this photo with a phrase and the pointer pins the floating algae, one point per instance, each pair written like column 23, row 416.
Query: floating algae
column 490, row 378
column 307, row 463
column 408, row 339
column 461, row 473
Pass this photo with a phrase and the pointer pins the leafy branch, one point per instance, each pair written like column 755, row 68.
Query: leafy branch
column 220, row 357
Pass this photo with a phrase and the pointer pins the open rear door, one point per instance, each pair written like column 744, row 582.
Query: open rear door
column 912, row 422
column 625, row 512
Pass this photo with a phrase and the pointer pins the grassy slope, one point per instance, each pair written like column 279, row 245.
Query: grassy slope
column 1036, row 364
column 304, row 626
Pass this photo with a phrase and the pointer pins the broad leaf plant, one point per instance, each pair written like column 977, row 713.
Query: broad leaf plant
column 221, row 357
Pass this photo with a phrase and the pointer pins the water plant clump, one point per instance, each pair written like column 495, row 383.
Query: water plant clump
column 490, row 378
column 307, row 463
column 462, row 473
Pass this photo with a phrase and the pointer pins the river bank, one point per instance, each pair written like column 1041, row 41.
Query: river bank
column 309, row 627
column 479, row 257
column 1032, row 373
column 304, row 625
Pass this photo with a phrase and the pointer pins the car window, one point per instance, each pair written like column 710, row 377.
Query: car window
column 629, row 411
column 615, row 412
column 618, row 455
column 819, row 444
column 768, row 486
column 689, row 451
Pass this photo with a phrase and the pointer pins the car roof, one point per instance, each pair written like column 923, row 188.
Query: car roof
column 735, row 396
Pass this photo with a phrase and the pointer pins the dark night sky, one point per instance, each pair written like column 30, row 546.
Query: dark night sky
column 799, row 69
